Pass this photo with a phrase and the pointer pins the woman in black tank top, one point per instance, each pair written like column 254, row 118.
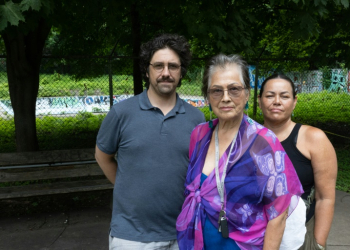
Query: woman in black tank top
column 311, row 153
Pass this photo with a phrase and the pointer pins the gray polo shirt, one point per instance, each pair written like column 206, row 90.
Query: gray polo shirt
column 152, row 155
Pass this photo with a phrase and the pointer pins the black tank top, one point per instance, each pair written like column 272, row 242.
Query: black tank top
column 301, row 164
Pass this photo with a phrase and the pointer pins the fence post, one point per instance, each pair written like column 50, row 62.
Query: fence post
column 256, row 89
column 110, row 84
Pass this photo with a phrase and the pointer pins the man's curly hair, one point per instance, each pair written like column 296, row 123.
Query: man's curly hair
column 172, row 41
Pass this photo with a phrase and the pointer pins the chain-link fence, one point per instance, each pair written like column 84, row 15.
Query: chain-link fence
column 323, row 101
column 70, row 107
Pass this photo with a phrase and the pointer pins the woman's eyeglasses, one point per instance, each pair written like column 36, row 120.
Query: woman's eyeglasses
column 172, row 67
column 217, row 93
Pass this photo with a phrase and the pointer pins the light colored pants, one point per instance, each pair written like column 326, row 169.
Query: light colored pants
column 310, row 241
column 121, row 244
column 294, row 232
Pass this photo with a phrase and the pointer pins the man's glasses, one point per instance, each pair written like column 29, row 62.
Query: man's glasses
column 172, row 67
column 217, row 93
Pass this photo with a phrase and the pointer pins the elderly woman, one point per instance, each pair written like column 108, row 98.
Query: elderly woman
column 240, row 184
column 311, row 153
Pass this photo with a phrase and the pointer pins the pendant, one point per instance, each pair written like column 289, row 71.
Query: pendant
column 223, row 228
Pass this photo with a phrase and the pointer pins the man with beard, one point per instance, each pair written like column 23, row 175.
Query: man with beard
column 150, row 133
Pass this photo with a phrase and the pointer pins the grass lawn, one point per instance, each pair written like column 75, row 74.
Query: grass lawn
column 343, row 179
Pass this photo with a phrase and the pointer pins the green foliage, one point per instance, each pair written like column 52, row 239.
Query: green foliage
column 343, row 178
column 70, row 132
column 10, row 12
column 96, row 110
column 7, row 135
column 310, row 108
column 304, row 35
column 14, row 13
column 282, row 45
column 54, row 85
column 30, row 4
column 211, row 27
column 56, row 132
column 332, row 45
column 56, row 76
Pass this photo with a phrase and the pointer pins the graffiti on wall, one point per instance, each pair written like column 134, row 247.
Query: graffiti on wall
column 252, row 77
column 309, row 82
column 196, row 102
column 74, row 104
column 339, row 82
column 68, row 104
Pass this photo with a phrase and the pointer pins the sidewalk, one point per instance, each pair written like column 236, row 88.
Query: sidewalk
column 339, row 237
column 85, row 229
column 88, row 229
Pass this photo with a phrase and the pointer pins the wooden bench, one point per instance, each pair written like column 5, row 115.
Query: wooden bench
column 53, row 172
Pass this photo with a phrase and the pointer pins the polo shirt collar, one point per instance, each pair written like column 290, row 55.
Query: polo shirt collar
column 146, row 104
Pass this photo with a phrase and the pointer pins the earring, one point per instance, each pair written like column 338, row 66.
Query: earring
column 293, row 113
column 210, row 121
column 260, row 112
column 246, row 108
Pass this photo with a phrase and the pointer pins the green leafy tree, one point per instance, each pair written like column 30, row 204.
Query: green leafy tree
column 24, row 28
column 305, row 35
column 104, row 27
column 332, row 46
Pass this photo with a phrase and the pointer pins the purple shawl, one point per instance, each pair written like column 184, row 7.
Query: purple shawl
column 260, row 184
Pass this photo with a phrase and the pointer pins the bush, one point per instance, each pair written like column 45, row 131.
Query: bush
column 343, row 178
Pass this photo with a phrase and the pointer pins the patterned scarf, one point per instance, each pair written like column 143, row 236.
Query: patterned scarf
column 260, row 184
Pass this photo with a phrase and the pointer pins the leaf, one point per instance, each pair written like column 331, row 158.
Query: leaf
column 320, row 2
column 322, row 11
column 11, row 13
column 345, row 3
column 33, row 4
column 3, row 21
column 48, row 6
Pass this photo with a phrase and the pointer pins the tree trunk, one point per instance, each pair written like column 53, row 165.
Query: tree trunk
column 136, row 44
column 23, row 58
